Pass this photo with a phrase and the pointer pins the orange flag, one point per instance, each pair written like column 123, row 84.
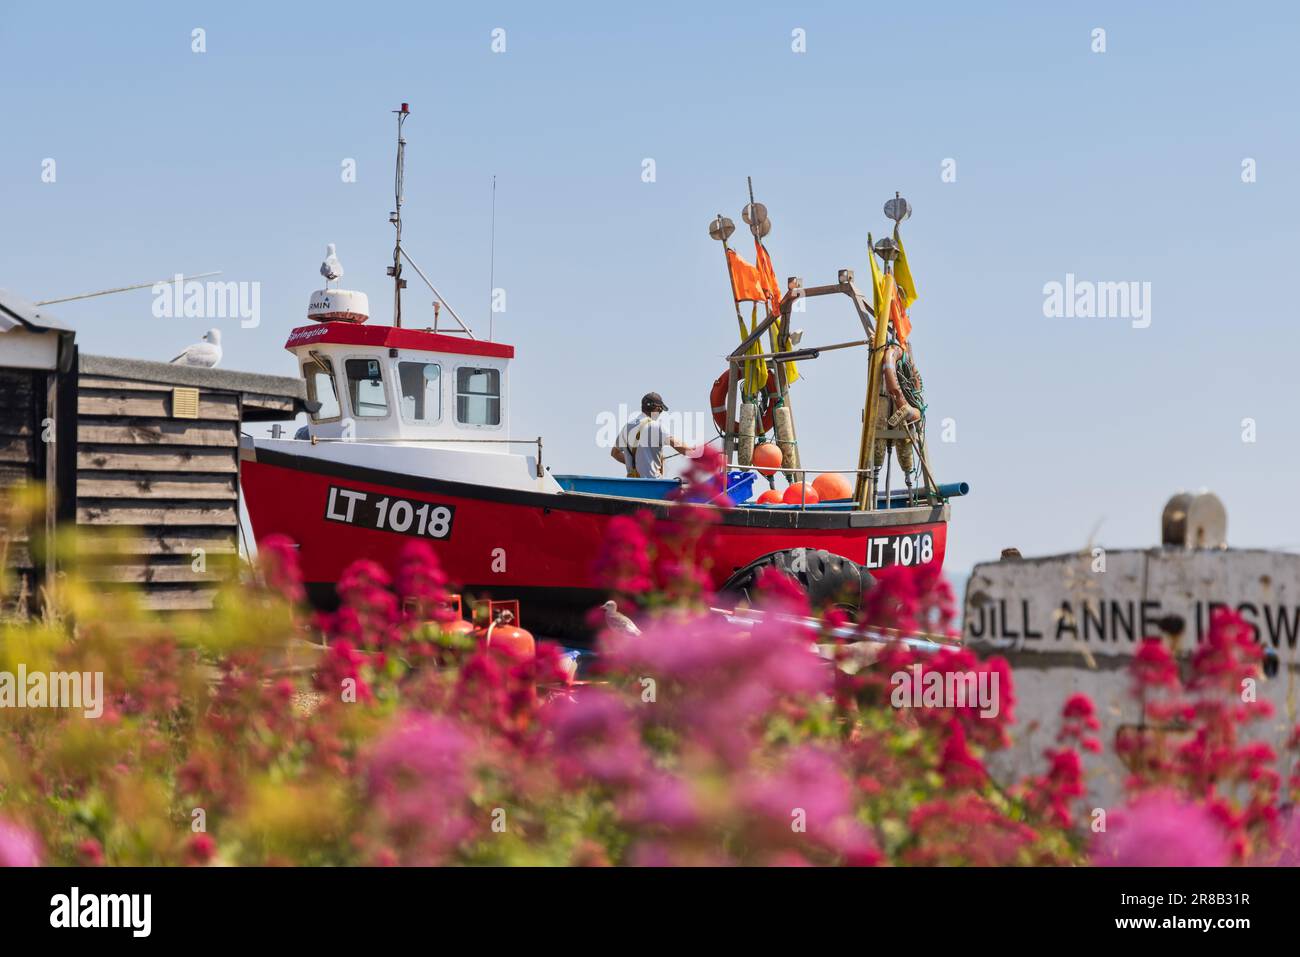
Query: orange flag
column 746, row 284
column 767, row 277
column 902, row 321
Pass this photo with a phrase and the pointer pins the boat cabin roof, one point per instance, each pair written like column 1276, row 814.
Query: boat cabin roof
column 390, row 337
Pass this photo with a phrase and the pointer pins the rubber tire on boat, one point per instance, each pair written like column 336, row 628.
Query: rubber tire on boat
column 828, row 579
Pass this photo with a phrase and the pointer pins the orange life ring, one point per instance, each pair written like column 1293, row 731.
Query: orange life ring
column 718, row 401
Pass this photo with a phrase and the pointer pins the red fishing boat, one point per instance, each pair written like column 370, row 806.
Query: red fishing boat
column 410, row 438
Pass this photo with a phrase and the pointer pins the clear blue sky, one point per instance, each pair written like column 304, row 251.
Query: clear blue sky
column 1117, row 166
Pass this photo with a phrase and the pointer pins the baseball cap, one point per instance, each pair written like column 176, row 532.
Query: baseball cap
column 653, row 400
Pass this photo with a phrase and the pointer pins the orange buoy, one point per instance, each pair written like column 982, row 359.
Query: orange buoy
column 801, row 493
column 767, row 458
column 831, row 486
column 770, row 497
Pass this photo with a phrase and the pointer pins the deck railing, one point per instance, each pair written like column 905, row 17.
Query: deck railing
column 316, row 439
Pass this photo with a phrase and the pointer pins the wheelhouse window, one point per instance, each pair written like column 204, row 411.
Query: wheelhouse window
column 478, row 396
column 319, row 376
column 366, row 388
column 421, row 384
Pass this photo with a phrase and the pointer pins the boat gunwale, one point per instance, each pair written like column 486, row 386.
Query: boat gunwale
column 593, row 502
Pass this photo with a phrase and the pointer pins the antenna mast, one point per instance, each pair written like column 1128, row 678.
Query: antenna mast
column 492, row 261
column 395, row 217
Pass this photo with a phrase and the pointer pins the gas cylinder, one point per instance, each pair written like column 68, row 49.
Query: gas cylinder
column 516, row 641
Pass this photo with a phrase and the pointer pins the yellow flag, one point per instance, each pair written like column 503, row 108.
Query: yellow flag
column 791, row 372
column 877, row 284
column 903, row 273
column 883, row 290
column 767, row 277
column 755, row 369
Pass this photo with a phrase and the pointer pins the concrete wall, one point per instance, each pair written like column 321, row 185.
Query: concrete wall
column 1065, row 622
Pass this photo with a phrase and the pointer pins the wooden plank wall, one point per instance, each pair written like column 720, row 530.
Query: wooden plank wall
column 22, row 405
column 165, row 486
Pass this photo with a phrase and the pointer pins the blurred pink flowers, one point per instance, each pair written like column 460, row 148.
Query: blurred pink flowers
column 705, row 740
column 18, row 846
column 1161, row 829
column 713, row 681
column 419, row 775
column 277, row 556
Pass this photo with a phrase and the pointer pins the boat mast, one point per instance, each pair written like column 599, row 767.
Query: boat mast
column 395, row 217
column 868, row 471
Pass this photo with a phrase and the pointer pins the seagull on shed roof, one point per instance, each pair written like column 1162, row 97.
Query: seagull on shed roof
column 205, row 354
column 331, row 268
column 617, row 621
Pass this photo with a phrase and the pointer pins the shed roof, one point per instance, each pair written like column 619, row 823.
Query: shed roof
column 265, row 397
column 17, row 311
column 54, row 341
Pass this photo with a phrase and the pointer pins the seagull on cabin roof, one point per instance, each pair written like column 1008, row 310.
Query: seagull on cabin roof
column 331, row 268
column 617, row 621
column 205, row 354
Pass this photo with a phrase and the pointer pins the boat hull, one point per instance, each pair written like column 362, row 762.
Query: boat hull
column 539, row 547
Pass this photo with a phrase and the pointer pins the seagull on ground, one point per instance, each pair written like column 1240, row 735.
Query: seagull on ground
column 331, row 268
column 205, row 354
column 617, row 621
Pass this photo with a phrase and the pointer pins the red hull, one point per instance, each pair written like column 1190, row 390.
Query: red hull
column 534, row 545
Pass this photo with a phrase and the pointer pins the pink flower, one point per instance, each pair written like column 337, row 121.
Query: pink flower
column 1287, row 851
column 777, row 591
column 421, row 582
column 661, row 800
column 1080, row 706
column 704, row 479
column 277, row 556
column 967, row 830
column 18, row 846
column 1053, row 793
column 342, row 663
column 419, row 775
column 959, row 767
column 935, row 604
column 200, row 849
column 714, row 681
column 595, row 737
column 809, row 799
column 1161, row 829
column 1228, row 654
column 1153, row 666
column 893, row 601
column 623, row 563
column 1078, row 718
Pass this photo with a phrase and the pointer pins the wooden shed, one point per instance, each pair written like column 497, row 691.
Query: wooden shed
column 157, row 460
column 147, row 450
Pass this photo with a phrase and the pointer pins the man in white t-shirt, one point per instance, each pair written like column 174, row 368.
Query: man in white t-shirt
column 640, row 443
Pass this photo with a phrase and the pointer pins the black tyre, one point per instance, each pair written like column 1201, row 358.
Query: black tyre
column 830, row 580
